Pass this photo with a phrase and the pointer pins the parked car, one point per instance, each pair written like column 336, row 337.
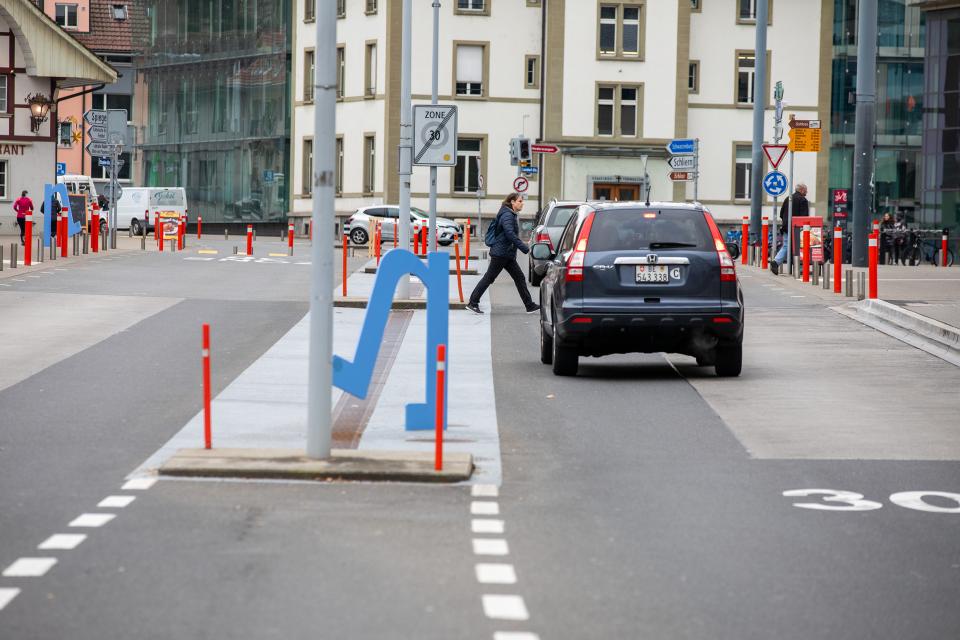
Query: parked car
column 135, row 201
column 627, row 277
column 547, row 228
column 359, row 226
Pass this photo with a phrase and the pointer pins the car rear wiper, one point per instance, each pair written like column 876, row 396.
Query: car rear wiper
column 670, row 245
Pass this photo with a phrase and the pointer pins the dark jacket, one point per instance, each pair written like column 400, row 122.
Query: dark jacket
column 507, row 240
column 800, row 208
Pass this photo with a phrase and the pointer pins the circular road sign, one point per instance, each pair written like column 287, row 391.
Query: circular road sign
column 520, row 185
column 775, row 183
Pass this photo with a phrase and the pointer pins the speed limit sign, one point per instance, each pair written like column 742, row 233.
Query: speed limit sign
column 435, row 135
column 520, row 185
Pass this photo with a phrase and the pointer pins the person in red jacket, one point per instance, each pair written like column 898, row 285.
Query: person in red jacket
column 22, row 206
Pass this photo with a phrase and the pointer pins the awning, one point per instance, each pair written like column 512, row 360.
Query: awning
column 49, row 51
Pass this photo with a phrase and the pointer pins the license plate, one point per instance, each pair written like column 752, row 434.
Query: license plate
column 652, row 274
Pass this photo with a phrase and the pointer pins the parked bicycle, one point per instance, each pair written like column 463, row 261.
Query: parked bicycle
column 923, row 247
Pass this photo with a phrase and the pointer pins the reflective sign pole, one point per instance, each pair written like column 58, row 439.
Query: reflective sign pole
column 406, row 138
column 759, row 107
column 432, row 233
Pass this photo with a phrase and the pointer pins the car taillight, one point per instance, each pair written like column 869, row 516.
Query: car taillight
column 543, row 236
column 575, row 263
column 728, row 270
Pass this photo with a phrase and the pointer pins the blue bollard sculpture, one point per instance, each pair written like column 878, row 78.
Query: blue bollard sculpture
column 73, row 217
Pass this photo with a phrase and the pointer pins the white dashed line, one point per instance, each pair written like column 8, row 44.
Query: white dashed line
column 484, row 525
column 496, row 574
column 798, row 296
column 484, row 508
column 515, row 635
column 6, row 596
column 500, row 607
column 115, row 502
column 484, row 491
column 92, row 520
column 490, row 547
column 138, row 484
column 63, row 541
column 29, row 567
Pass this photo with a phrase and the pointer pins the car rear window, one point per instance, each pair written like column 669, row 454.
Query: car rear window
column 652, row 229
column 559, row 216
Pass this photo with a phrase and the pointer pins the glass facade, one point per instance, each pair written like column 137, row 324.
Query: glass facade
column 899, row 110
column 216, row 74
column 941, row 135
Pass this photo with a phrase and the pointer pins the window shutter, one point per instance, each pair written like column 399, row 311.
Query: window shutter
column 469, row 63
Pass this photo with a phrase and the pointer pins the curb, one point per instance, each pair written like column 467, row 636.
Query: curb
column 343, row 464
column 453, row 271
column 934, row 337
column 417, row 303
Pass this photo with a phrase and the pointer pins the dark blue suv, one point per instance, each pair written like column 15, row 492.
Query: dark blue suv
column 629, row 277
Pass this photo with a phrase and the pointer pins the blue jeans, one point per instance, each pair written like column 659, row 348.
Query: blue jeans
column 781, row 254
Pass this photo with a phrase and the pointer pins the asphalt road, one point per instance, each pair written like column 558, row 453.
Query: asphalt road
column 629, row 507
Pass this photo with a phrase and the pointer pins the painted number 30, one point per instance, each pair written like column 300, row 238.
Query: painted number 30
column 833, row 500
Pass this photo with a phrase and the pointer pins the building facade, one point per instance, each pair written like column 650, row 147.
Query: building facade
column 214, row 85
column 39, row 62
column 489, row 66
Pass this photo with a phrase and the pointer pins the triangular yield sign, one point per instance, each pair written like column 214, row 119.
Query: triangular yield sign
column 775, row 153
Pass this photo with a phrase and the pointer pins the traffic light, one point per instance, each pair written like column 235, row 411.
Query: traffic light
column 523, row 152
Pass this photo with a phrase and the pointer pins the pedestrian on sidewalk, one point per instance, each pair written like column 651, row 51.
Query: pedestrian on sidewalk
column 503, row 254
column 801, row 208
column 22, row 206
column 886, row 238
column 900, row 240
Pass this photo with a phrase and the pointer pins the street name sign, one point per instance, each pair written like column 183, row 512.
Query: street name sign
column 530, row 171
column 521, row 184
column 682, row 163
column 681, row 176
column 544, row 148
column 775, row 183
column 434, row 135
column 106, row 162
column 682, row 147
column 775, row 153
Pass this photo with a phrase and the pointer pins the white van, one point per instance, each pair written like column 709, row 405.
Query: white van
column 79, row 184
column 135, row 201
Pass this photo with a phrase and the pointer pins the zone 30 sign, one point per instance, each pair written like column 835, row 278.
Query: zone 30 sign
column 435, row 135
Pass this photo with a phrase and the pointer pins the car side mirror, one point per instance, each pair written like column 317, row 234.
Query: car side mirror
column 541, row 251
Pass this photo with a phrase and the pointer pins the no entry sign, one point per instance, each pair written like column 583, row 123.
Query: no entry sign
column 520, row 185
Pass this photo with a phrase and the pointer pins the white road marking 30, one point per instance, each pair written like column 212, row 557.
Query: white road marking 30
column 852, row 501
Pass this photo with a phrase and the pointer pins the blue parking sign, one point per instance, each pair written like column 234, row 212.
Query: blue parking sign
column 775, row 183
column 61, row 168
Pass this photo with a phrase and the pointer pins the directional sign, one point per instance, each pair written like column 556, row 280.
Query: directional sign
column 544, row 148
column 682, row 147
column 520, row 185
column 530, row 171
column 106, row 162
column 102, row 149
column 775, row 183
column 682, row 176
column 96, row 117
column 805, row 138
column 98, row 133
column 435, row 135
column 680, row 163
column 775, row 153
column 61, row 168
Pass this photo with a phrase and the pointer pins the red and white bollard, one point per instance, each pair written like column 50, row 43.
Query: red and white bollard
column 343, row 272
column 146, row 220
column 943, row 249
column 466, row 258
column 64, row 234
column 744, row 236
column 441, row 409
column 805, row 242
column 290, row 238
column 764, row 243
column 156, row 227
column 199, row 227
column 873, row 254
column 249, row 239
column 416, row 242
column 28, row 239
column 181, row 232
column 205, row 354
column 837, row 258
column 378, row 241
column 94, row 231
column 396, row 238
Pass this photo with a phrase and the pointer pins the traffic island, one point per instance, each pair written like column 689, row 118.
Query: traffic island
column 414, row 303
column 343, row 464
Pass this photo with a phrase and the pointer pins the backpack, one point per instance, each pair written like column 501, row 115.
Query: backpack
column 493, row 230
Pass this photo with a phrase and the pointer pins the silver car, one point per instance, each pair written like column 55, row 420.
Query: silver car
column 548, row 227
column 360, row 225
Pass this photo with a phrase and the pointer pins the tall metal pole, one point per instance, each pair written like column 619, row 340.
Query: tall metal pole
column 406, row 138
column 434, row 91
column 319, row 418
column 114, row 172
column 759, row 105
column 696, row 170
column 864, row 127
column 790, row 190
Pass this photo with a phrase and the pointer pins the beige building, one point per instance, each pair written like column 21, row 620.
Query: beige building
column 607, row 81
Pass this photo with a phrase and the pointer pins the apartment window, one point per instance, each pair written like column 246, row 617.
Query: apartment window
column 67, row 15
column 369, row 164
column 119, row 11
column 341, row 8
column 4, row 84
column 531, row 72
column 620, row 30
column 310, row 9
column 747, row 10
column 746, row 76
column 619, row 109
column 65, row 134
column 370, row 70
column 695, row 6
column 308, row 75
column 743, row 166
column 306, row 179
column 112, row 101
column 469, row 70
column 341, row 71
column 693, row 77
column 371, row 6
column 338, row 168
column 466, row 174
column 473, row 6
column 4, row 179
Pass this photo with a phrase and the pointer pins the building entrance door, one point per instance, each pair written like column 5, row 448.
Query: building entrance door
column 615, row 192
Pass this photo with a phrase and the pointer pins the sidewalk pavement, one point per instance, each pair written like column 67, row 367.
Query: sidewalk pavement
column 266, row 406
